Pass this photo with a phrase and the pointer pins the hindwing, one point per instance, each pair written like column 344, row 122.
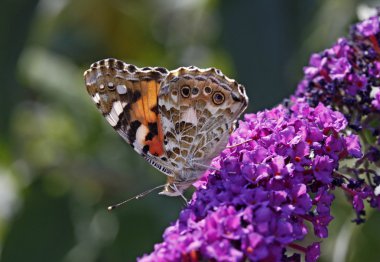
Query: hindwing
column 198, row 109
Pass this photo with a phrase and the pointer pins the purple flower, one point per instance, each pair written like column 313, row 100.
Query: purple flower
column 357, row 203
column 323, row 201
column 323, row 167
column 329, row 119
column 313, row 252
column 376, row 101
column 374, row 70
column 254, row 246
column 356, row 83
column 320, row 223
column 339, row 68
column 353, row 146
column 315, row 65
column 368, row 27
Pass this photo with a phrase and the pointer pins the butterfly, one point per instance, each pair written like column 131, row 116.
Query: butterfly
column 177, row 120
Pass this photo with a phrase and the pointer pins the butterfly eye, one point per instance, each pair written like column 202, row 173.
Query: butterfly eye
column 195, row 91
column 208, row 90
column 218, row 98
column 185, row 91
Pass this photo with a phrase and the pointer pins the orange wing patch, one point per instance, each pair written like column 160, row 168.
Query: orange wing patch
column 149, row 137
column 149, row 99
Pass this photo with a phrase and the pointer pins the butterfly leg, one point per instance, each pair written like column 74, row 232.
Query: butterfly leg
column 175, row 188
column 239, row 144
column 213, row 168
column 206, row 166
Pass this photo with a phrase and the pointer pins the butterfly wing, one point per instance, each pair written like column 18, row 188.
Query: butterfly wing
column 127, row 97
column 198, row 109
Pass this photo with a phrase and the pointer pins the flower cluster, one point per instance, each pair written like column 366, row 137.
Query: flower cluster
column 346, row 77
column 272, row 184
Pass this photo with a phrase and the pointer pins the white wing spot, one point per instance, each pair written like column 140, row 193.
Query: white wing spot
column 117, row 108
column 96, row 98
column 190, row 116
column 111, row 119
column 121, row 89
column 141, row 133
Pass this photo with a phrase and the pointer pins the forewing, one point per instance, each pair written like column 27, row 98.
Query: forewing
column 127, row 97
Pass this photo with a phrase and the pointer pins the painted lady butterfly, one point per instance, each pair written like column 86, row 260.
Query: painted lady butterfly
column 177, row 120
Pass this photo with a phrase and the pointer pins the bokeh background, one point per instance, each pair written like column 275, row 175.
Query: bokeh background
column 61, row 164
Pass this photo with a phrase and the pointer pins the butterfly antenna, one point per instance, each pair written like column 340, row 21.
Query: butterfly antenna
column 135, row 197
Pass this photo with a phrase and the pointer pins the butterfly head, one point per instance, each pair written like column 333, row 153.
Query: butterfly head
column 171, row 190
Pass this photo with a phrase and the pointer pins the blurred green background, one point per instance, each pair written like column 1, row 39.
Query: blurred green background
column 61, row 164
